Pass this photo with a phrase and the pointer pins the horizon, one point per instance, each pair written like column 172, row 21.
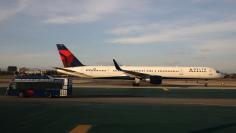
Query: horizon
column 143, row 33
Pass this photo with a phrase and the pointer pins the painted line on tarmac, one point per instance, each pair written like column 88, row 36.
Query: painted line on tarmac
column 154, row 101
column 81, row 129
column 158, row 87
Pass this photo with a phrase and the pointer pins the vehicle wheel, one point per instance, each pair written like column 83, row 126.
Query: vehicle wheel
column 50, row 95
column 21, row 94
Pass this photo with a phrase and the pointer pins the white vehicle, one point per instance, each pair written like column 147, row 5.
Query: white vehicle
column 152, row 74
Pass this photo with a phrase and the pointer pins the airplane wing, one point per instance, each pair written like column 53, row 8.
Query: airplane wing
column 74, row 73
column 132, row 73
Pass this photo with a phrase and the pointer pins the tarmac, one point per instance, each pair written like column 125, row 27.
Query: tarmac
column 117, row 115
column 131, row 101
column 117, row 107
column 226, row 83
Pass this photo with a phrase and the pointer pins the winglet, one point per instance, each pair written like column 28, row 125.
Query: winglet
column 116, row 65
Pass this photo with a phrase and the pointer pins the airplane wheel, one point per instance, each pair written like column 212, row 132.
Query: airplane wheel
column 136, row 82
column 206, row 83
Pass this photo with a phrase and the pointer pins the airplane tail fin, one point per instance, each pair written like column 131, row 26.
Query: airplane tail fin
column 68, row 59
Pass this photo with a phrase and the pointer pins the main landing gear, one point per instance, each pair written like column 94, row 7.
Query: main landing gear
column 206, row 83
column 136, row 82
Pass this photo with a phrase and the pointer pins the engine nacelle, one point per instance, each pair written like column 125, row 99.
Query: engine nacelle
column 155, row 79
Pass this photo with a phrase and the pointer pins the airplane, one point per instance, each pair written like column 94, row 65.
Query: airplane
column 151, row 74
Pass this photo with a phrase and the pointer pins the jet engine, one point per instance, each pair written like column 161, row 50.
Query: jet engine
column 154, row 79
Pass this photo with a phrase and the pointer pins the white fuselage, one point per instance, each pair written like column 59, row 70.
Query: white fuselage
column 165, row 72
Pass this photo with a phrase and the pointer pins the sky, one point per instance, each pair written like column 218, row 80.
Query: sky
column 134, row 32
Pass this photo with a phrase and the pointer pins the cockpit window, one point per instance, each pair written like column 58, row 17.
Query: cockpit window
column 217, row 71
